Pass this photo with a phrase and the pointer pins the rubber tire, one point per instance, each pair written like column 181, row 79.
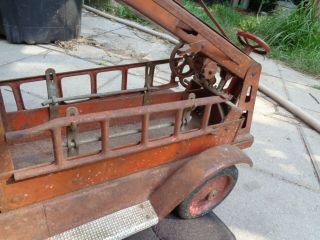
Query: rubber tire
column 182, row 209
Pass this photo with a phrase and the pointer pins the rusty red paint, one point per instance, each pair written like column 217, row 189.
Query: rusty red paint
column 210, row 195
column 222, row 122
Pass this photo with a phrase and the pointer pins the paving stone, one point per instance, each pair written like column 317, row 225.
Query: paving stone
column 313, row 140
column 128, row 42
column 290, row 75
column 269, row 66
column 95, row 25
column 124, row 46
column 278, row 149
column 8, row 99
column 274, row 84
column 285, row 116
column 263, row 106
column 284, row 112
column 262, row 207
column 132, row 33
column 95, row 54
column 37, row 65
column 303, row 96
column 109, row 81
column 14, row 52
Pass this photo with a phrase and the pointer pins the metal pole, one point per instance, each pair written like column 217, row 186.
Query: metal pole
column 294, row 109
column 132, row 24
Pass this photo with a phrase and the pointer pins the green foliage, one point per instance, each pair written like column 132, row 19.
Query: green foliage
column 294, row 37
column 298, row 29
column 119, row 10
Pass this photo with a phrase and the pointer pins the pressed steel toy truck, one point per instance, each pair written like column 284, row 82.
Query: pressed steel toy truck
column 106, row 165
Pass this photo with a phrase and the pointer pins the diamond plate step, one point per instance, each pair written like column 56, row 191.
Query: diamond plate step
column 118, row 225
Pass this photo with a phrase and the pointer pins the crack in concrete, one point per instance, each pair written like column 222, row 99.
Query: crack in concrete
column 316, row 99
column 303, row 137
column 24, row 58
column 281, row 178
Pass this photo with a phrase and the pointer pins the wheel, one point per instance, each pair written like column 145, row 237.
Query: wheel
column 209, row 194
column 181, row 61
column 252, row 43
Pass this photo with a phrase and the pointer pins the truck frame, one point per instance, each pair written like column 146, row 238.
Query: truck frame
column 122, row 160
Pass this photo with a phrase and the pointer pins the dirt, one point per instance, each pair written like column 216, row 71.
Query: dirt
column 74, row 43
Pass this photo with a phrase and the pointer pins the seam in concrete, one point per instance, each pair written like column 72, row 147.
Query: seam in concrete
column 309, row 150
column 303, row 138
column 280, row 178
column 28, row 93
column 94, row 62
column 270, row 75
column 315, row 98
column 70, row 55
column 104, row 32
column 286, row 120
column 45, row 52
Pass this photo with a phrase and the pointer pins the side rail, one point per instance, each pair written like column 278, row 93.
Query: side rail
column 223, row 130
column 14, row 85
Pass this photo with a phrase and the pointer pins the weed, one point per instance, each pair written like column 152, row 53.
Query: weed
column 294, row 37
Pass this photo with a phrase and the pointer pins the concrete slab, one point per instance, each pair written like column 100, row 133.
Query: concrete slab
column 109, row 81
column 37, row 65
column 262, row 207
column 8, row 99
column 304, row 96
column 124, row 46
column 314, row 114
column 280, row 151
column 291, row 75
column 94, row 54
column 270, row 67
column 313, row 140
column 264, row 106
column 273, row 83
column 14, row 52
column 284, row 112
column 128, row 42
column 95, row 25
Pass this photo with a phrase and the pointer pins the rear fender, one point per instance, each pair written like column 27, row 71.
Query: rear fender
column 179, row 185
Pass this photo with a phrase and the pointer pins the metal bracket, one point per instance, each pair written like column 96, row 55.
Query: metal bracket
column 148, row 82
column 72, row 133
column 51, row 80
column 187, row 112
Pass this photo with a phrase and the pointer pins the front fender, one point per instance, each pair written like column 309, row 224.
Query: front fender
column 180, row 184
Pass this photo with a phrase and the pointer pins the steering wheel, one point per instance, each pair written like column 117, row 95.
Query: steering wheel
column 252, row 43
column 181, row 61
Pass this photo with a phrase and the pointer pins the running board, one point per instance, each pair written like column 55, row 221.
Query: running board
column 115, row 226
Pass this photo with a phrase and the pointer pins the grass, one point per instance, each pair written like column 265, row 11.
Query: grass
column 294, row 38
column 119, row 10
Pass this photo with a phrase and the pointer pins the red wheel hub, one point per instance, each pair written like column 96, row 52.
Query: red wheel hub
column 210, row 195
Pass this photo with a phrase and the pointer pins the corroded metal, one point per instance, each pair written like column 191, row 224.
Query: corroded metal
column 127, row 146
